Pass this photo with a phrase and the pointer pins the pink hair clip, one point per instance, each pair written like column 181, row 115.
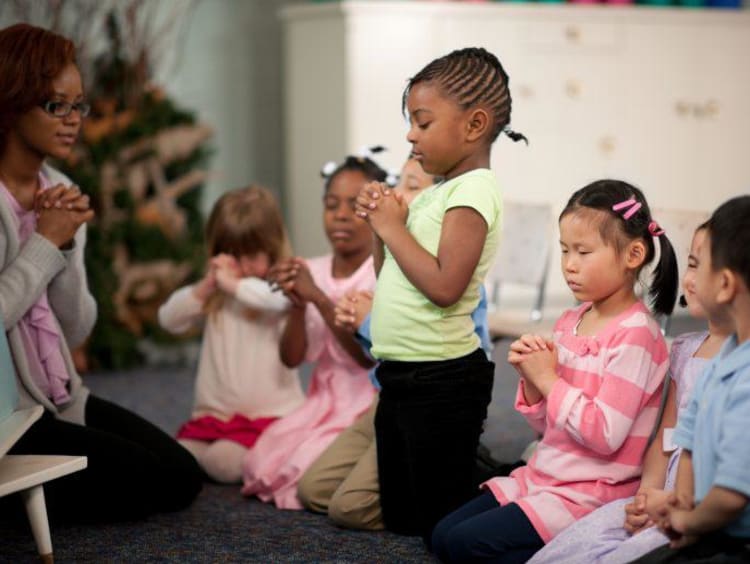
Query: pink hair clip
column 632, row 207
column 655, row 229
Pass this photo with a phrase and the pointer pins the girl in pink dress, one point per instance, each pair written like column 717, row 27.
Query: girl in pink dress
column 593, row 391
column 622, row 531
column 339, row 388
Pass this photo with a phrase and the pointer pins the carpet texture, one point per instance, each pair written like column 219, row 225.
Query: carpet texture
column 222, row 526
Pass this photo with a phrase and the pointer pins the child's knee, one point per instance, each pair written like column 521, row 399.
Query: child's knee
column 223, row 461
column 356, row 510
column 460, row 545
column 438, row 539
column 454, row 542
column 311, row 494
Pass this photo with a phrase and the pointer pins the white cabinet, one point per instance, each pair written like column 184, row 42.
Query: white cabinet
column 655, row 96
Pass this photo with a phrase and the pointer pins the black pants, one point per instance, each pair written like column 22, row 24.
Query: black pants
column 134, row 468
column 716, row 548
column 482, row 530
column 427, row 429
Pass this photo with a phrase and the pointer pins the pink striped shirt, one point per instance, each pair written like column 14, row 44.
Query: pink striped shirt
column 596, row 420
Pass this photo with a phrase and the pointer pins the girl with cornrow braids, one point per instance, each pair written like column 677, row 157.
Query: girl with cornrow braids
column 431, row 258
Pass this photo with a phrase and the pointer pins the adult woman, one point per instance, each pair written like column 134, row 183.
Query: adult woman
column 134, row 469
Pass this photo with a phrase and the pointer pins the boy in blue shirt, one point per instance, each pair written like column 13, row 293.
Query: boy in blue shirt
column 708, row 516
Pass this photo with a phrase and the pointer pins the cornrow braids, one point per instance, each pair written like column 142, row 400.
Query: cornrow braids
column 471, row 77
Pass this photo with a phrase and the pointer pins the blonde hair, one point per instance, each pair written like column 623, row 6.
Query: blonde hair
column 245, row 221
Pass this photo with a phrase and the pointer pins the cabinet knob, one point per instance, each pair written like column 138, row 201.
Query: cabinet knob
column 711, row 108
column 607, row 145
column 572, row 34
column 682, row 108
column 525, row 91
column 573, row 88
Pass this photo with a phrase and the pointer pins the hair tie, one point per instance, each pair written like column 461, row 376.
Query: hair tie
column 514, row 135
column 631, row 206
column 363, row 153
column 654, row 229
column 328, row 169
column 392, row 178
column 366, row 152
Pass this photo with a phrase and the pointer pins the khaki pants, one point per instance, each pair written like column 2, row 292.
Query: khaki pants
column 343, row 482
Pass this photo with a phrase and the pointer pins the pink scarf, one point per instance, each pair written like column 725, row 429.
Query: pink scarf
column 38, row 328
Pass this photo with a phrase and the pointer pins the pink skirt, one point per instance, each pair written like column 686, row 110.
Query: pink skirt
column 239, row 429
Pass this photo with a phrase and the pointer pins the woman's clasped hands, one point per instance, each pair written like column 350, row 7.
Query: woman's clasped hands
column 60, row 211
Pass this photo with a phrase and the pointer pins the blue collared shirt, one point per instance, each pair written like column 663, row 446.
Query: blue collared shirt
column 715, row 428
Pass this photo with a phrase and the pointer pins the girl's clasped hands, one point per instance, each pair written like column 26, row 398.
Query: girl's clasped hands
column 223, row 274
column 292, row 276
column 535, row 360
column 352, row 309
column 381, row 206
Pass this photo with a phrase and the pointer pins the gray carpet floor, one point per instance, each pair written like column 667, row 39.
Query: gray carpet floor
column 222, row 526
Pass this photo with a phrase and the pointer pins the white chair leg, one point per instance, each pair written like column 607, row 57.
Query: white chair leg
column 36, row 510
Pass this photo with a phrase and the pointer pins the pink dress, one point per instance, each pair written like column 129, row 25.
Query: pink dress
column 596, row 421
column 339, row 392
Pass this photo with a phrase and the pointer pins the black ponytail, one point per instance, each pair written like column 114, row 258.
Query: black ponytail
column 515, row 136
column 665, row 279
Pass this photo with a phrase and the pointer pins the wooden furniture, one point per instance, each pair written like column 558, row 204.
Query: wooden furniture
column 27, row 474
column 655, row 96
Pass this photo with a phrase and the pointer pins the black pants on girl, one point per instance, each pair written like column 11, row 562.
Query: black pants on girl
column 134, row 468
column 427, row 429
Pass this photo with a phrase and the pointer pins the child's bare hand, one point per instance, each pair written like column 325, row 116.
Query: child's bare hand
column 658, row 506
column 381, row 207
column 655, row 498
column 368, row 198
column 528, row 343
column 352, row 309
column 636, row 517
column 535, row 359
column 206, row 286
column 392, row 212
column 673, row 523
column 225, row 261
column 293, row 277
column 282, row 274
column 227, row 273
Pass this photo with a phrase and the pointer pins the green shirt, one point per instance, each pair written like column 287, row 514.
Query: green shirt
column 406, row 325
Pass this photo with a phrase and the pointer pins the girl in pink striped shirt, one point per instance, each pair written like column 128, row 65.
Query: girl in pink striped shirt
column 593, row 390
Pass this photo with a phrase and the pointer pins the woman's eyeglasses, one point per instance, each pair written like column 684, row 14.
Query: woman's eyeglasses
column 63, row 109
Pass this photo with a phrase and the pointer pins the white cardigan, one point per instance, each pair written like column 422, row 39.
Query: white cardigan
column 25, row 272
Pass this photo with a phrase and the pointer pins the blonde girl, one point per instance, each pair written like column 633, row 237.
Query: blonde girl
column 242, row 386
